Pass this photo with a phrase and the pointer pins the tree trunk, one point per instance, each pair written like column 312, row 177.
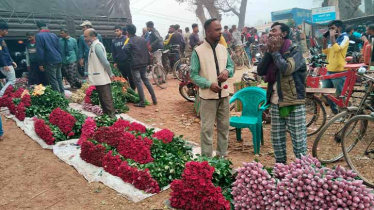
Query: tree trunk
column 200, row 12
column 241, row 16
column 212, row 9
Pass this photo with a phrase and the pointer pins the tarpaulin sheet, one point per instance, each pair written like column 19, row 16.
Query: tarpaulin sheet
column 85, row 8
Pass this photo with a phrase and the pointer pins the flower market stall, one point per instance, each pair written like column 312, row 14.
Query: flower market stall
column 139, row 161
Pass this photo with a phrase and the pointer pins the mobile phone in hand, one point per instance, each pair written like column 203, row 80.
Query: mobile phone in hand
column 327, row 34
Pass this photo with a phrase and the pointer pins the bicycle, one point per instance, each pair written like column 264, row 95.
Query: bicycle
column 172, row 52
column 358, row 148
column 158, row 73
column 328, row 140
column 179, row 67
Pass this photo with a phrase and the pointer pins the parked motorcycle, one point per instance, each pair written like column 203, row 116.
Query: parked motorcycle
column 187, row 88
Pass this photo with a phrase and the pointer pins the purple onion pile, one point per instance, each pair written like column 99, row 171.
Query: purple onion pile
column 93, row 108
column 303, row 184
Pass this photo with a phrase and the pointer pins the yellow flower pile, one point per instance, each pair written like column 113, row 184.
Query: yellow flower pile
column 38, row 90
column 78, row 96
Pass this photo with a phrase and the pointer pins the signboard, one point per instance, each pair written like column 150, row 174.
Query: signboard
column 323, row 14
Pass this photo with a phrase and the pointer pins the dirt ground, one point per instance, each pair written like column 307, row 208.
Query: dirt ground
column 34, row 178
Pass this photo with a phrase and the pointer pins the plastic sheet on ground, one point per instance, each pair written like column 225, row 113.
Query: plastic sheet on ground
column 28, row 127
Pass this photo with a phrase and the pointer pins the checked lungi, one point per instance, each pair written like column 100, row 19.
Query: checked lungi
column 296, row 126
column 70, row 72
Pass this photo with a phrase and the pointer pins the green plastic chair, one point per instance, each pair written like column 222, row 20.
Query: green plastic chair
column 253, row 100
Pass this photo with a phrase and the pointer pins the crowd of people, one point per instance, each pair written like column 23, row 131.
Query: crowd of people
column 283, row 68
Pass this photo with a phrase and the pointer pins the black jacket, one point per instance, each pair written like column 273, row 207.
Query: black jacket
column 155, row 40
column 290, row 76
column 137, row 48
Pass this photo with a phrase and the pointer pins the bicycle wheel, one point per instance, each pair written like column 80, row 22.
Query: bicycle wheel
column 177, row 70
column 238, row 61
column 183, row 90
column 159, row 76
column 327, row 145
column 315, row 115
column 358, row 147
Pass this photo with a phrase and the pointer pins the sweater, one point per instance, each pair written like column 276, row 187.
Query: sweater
column 31, row 56
column 72, row 54
column 47, row 48
column 119, row 55
column 5, row 59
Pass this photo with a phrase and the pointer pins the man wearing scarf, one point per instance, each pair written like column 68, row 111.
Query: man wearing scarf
column 336, row 52
column 284, row 69
column 69, row 52
column 211, row 66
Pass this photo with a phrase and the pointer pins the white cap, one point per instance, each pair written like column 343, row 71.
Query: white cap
column 86, row 23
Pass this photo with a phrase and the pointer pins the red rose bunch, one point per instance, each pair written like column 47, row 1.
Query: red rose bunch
column 88, row 130
column 11, row 105
column 92, row 153
column 63, row 120
column 9, row 91
column 44, row 131
column 26, row 100
column 137, row 149
column 21, row 111
column 164, row 135
column 87, row 98
column 195, row 191
column 142, row 180
column 122, row 124
column 112, row 136
column 18, row 92
column 139, row 128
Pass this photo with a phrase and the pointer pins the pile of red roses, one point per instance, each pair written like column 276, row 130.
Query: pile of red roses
column 26, row 100
column 21, row 111
column 164, row 135
column 18, row 92
column 88, row 130
column 140, row 179
column 139, row 128
column 195, row 191
column 87, row 98
column 44, row 131
column 92, row 153
column 134, row 126
column 136, row 149
column 63, row 120
column 7, row 101
column 127, row 144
